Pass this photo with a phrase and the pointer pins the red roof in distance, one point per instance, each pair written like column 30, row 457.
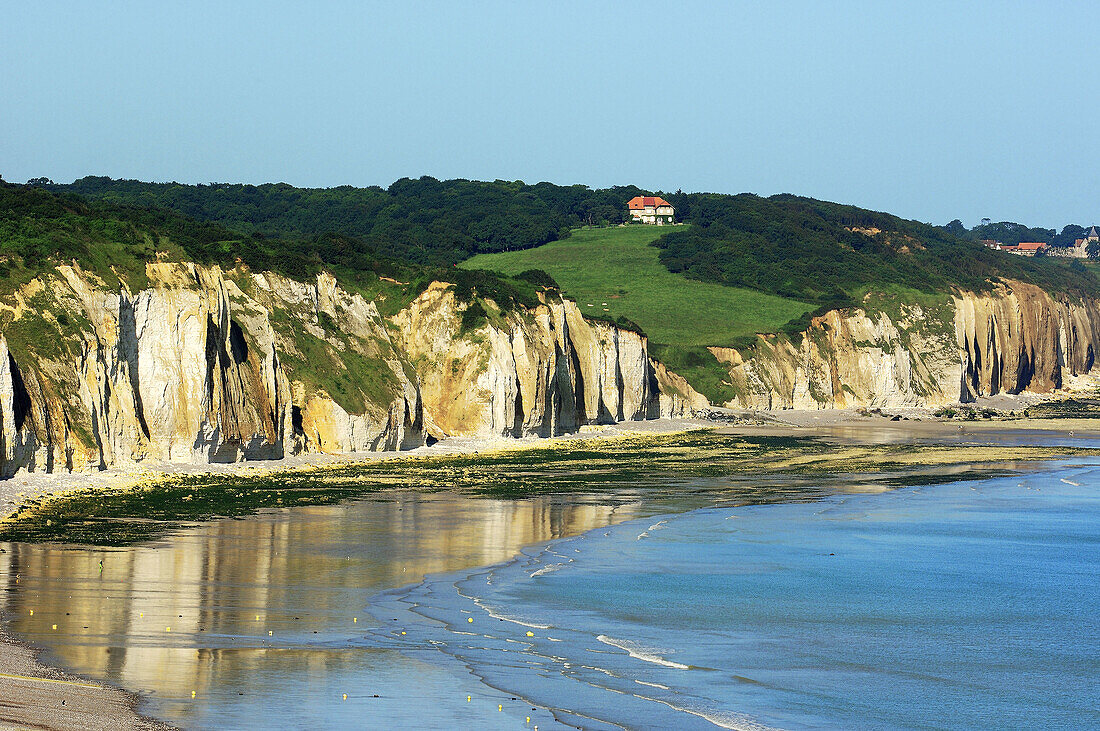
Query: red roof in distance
column 1031, row 245
column 639, row 202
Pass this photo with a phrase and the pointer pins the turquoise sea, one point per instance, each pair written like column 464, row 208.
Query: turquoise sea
column 972, row 604
column 968, row 605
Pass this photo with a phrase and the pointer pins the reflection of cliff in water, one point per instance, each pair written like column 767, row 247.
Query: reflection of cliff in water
column 193, row 612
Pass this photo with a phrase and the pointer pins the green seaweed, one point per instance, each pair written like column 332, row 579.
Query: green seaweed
column 734, row 469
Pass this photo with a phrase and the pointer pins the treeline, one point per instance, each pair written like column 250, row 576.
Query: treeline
column 826, row 253
column 40, row 228
column 1011, row 233
column 425, row 221
column 810, row 250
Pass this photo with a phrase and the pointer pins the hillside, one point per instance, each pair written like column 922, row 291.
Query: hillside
column 615, row 272
column 425, row 221
column 799, row 248
column 833, row 254
column 115, row 244
column 133, row 333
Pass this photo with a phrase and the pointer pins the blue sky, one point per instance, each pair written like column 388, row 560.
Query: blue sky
column 929, row 110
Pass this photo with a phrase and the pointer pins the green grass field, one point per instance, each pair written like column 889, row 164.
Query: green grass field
column 615, row 272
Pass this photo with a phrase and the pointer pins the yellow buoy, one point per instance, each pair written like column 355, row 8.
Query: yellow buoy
column 402, row 632
column 500, row 708
column 354, row 619
column 467, row 699
column 257, row 618
column 269, row 633
column 530, row 634
column 167, row 629
column 192, row 694
column 55, row 626
column 528, row 719
column 32, row 612
column 470, row 620
column 345, row 696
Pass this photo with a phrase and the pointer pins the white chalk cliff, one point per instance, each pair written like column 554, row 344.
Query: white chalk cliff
column 205, row 365
column 1014, row 338
column 202, row 365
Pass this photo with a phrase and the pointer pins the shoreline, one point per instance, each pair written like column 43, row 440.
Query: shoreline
column 28, row 487
column 48, row 697
column 36, row 695
column 43, row 696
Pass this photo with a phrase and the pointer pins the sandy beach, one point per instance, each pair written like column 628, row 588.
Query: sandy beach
column 34, row 695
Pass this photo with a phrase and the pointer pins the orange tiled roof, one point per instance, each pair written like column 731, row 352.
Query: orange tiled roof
column 639, row 202
column 1030, row 245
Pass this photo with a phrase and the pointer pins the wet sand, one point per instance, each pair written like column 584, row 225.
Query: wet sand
column 33, row 695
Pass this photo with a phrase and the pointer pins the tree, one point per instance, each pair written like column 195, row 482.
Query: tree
column 956, row 228
column 1070, row 233
column 1093, row 249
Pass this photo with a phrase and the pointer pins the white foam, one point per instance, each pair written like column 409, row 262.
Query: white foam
column 547, row 569
column 497, row 615
column 1071, row 482
column 723, row 719
column 656, row 526
column 651, row 685
column 641, row 653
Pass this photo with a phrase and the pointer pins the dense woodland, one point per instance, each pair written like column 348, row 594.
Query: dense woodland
column 114, row 240
column 425, row 221
column 828, row 253
column 1013, row 233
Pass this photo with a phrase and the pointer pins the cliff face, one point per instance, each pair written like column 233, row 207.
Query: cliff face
column 203, row 365
column 1012, row 339
column 1020, row 338
column 531, row 373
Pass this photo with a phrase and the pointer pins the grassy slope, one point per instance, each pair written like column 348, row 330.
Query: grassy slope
column 618, row 266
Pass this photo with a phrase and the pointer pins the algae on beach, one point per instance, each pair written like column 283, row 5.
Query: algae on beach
column 701, row 465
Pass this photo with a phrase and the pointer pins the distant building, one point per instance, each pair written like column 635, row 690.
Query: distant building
column 650, row 209
column 1025, row 248
column 1080, row 248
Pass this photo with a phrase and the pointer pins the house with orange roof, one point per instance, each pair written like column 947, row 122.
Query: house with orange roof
column 650, row 209
column 1026, row 248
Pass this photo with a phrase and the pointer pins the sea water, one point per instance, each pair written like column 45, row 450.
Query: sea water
column 964, row 605
column 968, row 605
